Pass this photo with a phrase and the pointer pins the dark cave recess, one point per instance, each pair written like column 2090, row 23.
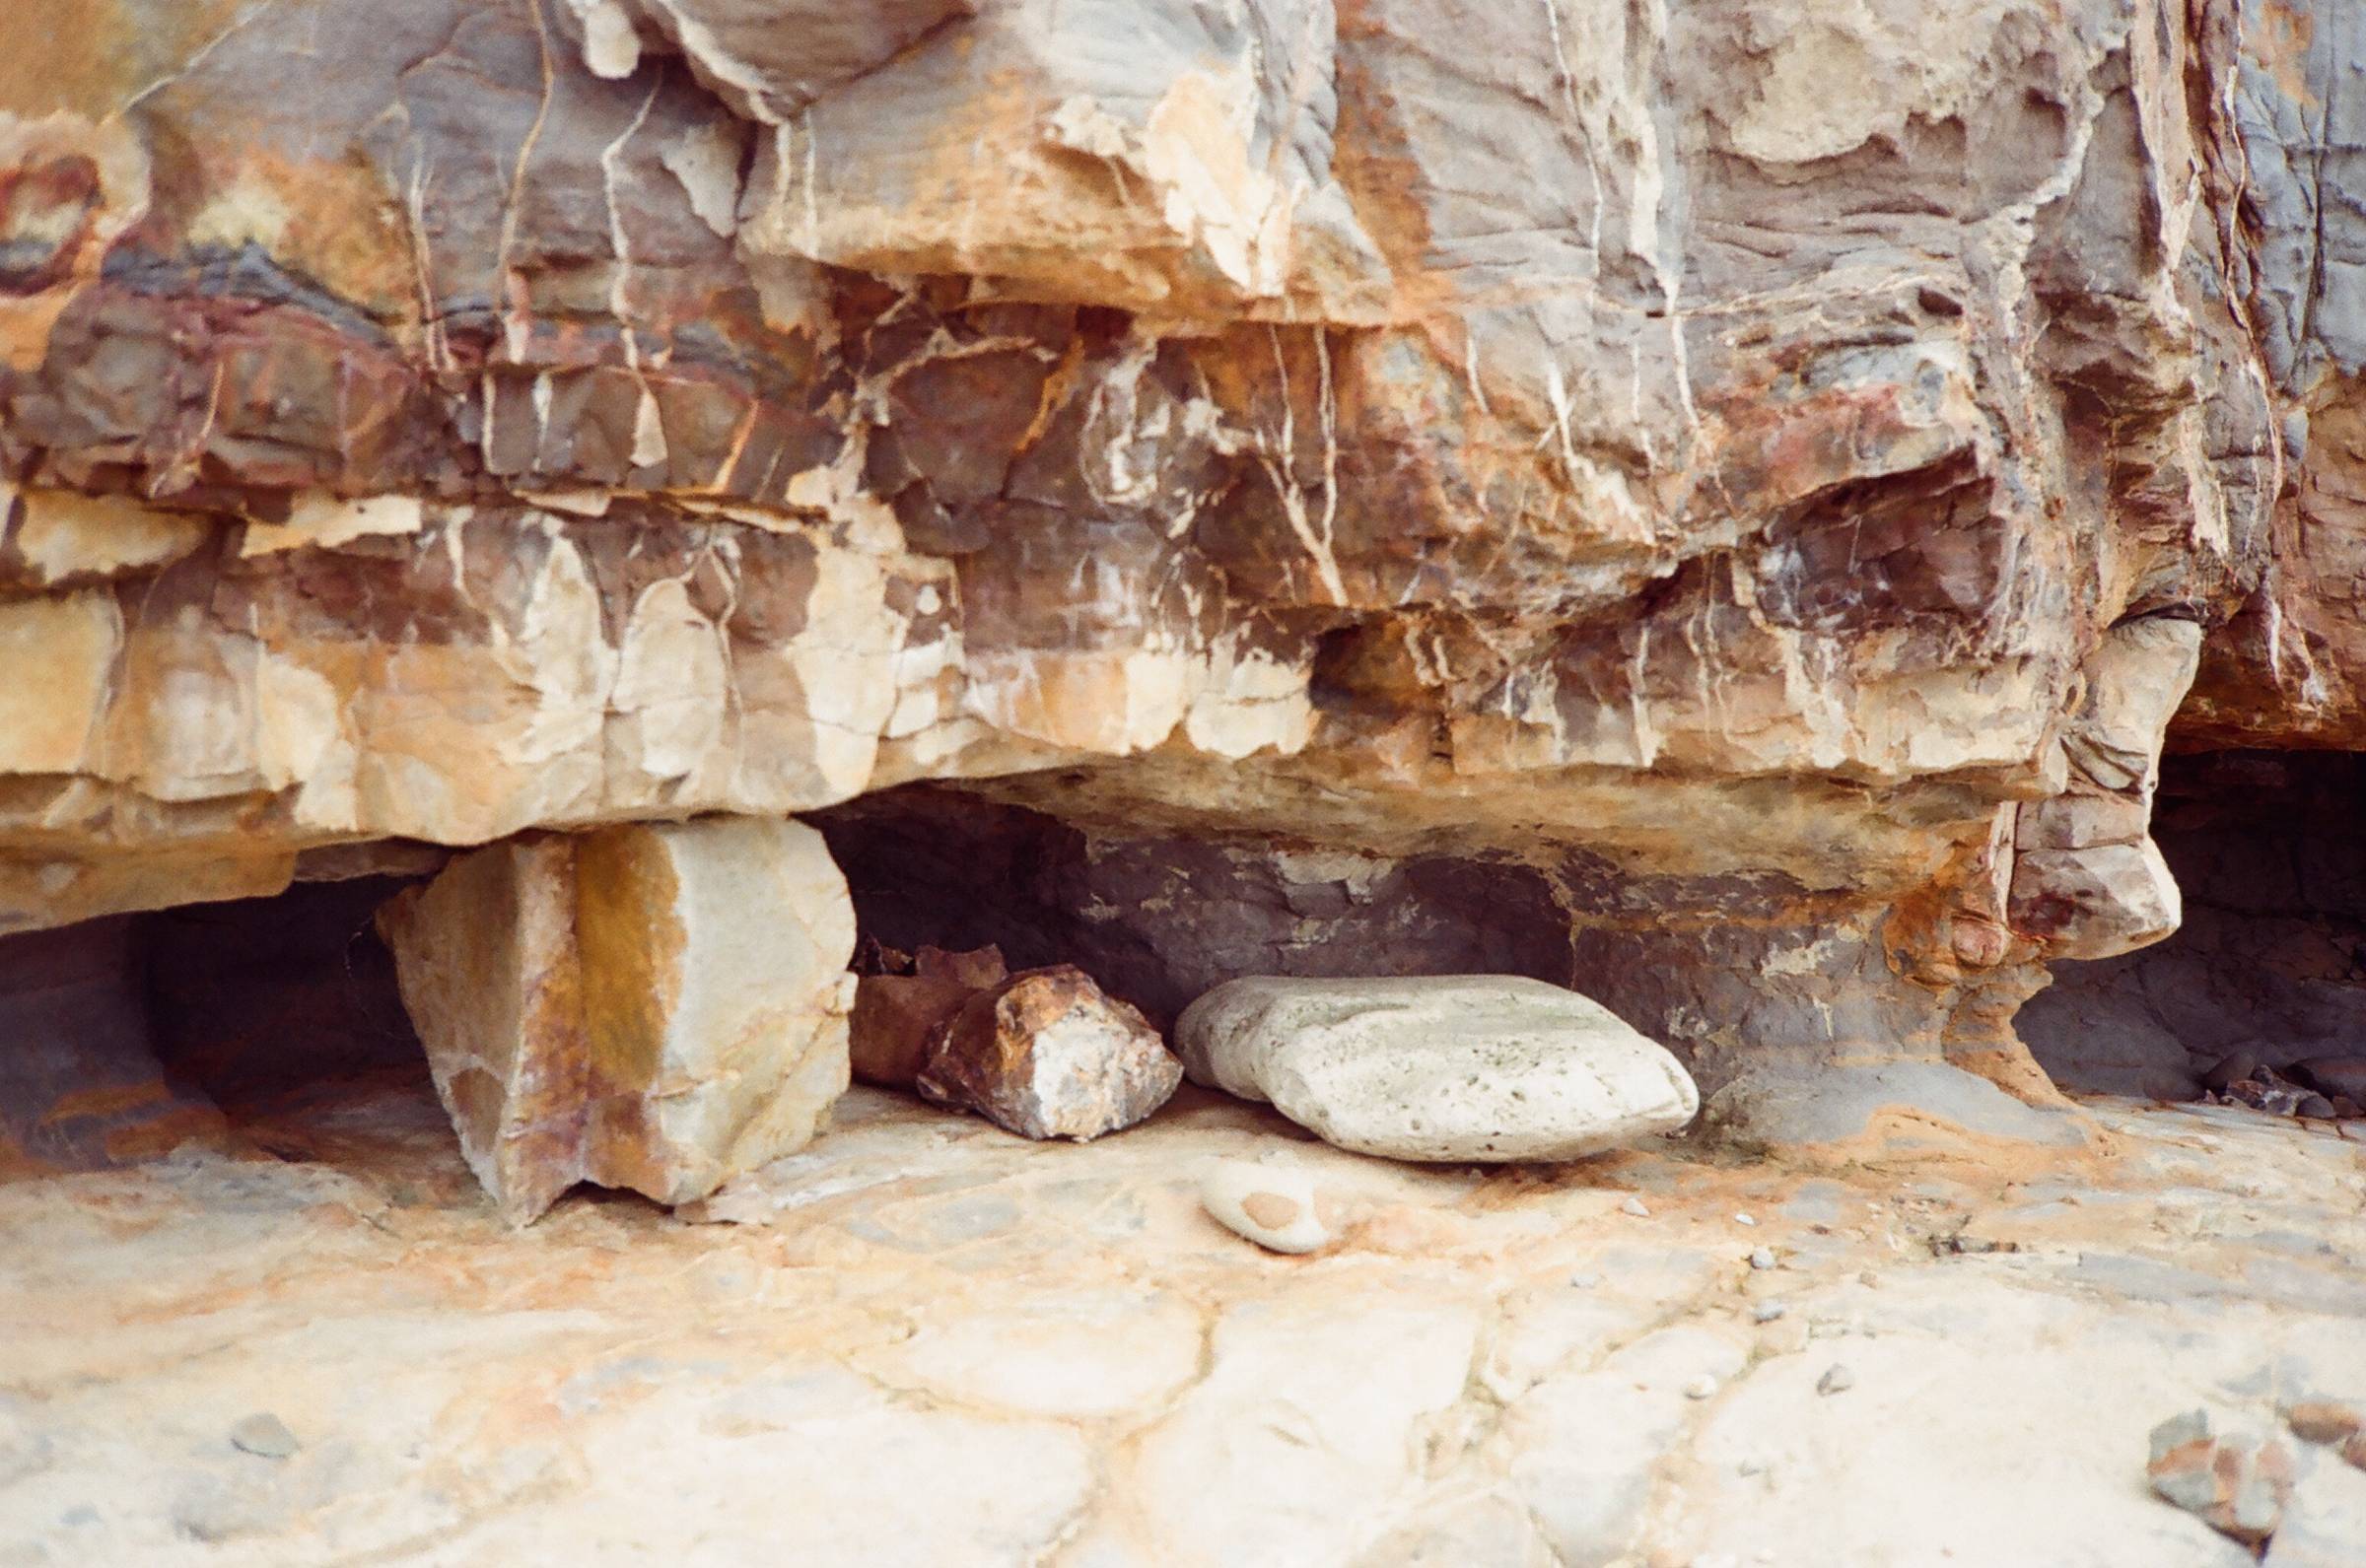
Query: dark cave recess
column 2269, row 854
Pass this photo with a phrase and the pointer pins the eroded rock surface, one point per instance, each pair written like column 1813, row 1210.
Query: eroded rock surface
column 1480, row 1369
column 82, row 1086
column 652, row 1007
column 1454, row 1068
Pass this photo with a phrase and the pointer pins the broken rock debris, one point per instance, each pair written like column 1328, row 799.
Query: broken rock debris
column 2238, row 1484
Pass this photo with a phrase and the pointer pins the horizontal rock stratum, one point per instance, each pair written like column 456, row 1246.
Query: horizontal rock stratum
column 1712, row 504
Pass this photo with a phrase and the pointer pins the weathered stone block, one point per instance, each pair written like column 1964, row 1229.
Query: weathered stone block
column 716, row 996
column 1459, row 1067
column 1048, row 1054
column 493, row 982
column 653, row 1008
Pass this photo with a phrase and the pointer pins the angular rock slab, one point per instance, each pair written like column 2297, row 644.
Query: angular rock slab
column 652, row 1007
column 1048, row 1055
column 1482, row 1067
column 486, row 960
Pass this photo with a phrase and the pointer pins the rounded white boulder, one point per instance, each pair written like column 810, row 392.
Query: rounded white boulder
column 1476, row 1067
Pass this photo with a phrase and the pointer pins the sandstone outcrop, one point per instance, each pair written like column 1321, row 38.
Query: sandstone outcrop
column 1048, row 1054
column 652, row 1007
column 1468, row 1068
column 1709, row 505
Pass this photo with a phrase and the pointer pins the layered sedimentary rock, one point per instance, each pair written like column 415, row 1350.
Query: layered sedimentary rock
column 1713, row 502
column 656, row 1008
column 81, row 1085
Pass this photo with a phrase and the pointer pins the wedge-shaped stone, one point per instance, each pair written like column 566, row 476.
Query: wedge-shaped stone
column 486, row 958
column 1481, row 1068
column 652, row 1007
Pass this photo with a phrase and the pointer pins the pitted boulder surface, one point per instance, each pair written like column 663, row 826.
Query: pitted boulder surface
column 1488, row 1067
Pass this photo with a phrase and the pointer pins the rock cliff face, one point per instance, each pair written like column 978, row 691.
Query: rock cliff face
column 1713, row 503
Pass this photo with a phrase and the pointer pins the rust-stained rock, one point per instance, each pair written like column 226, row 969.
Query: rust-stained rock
column 1048, row 1054
column 493, row 982
column 653, row 1008
column 897, row 1014
column 2236, row 1485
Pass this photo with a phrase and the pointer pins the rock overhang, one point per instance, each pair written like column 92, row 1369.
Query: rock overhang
column 557, row 415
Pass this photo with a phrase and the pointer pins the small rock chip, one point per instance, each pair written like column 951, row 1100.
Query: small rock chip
column 1272, row 1205
column 1762, row 1256
column 1767, row 1311
column 1837, row 1378
column 1700, row 1388
column 2328, row 1421
column 265, row 1435
column 1744, row 1219
column 1634, row 1205
column 2314, row 1107
column 1588, row 1280
column 2237, row 1486
column 1048, row 1055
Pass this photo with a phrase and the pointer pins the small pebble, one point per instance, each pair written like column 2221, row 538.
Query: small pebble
column 1585, row 1281
column 1744, row 1219
column 1767, row 1311
column 1700, row 1388
column 1634, row 1205
column 265, row 1435
column 1272, row 1205
column 2327, row 1421
column 1837, row 1378
column 1761, row 1257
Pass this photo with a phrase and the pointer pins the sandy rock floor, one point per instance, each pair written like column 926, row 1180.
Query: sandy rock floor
column 925, row 1342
